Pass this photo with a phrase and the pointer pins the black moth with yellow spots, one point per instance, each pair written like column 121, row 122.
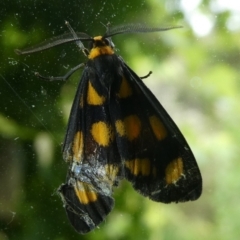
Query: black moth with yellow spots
column 117, row 129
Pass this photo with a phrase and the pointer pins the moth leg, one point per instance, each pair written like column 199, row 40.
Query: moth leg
column 61, row 78
column 146, row 76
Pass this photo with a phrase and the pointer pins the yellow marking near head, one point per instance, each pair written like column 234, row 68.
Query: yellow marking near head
column 84, row 193
column 174, row 171
column 77, row 146
column 120, row 128
column 98, row 38
column 93, row 98
column 158, row 128
column 132, row 126
column 98, row 51
column 125, row 90
column 100, row 47
column 139, row 166
column 102, row 133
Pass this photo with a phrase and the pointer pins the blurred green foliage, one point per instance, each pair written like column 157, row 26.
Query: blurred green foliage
column 196, row 76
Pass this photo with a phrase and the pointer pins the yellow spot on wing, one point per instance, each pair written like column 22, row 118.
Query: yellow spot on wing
column 139, row 166
column 93, row 98
column 120, row 128
column 174, row 171
column 102, row 133
column 158, row 128
column 77, row 146
column 132, row 126
column 111, row 171
column 129, row 127
column 85, row 193
column 125, row 90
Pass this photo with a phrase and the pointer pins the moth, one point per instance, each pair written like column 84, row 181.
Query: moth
column 118, row 129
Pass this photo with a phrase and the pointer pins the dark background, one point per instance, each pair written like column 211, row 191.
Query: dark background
column 195, row 76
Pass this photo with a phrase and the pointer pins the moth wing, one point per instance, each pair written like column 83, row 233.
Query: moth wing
column 157, row 159
column 85, row 207
column 91, row 151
